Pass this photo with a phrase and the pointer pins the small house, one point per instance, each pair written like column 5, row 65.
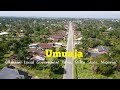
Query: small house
column 58, row 44
column 3, row 33
column 56, row 37
column 38, row 58
column 97, row 51
column 44, row 46
column 33, row 45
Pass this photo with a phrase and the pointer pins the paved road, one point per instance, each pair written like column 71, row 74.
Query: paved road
column 69, row 60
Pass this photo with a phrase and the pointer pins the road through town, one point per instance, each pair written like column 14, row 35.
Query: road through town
column 69, row 60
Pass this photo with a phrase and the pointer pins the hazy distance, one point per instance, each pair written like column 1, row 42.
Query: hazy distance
column 68, row 14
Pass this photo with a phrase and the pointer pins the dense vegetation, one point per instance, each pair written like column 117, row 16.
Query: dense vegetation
column 101, row 32
column 22, row 32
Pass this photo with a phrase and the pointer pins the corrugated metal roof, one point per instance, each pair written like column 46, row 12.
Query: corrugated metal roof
column 8, row 73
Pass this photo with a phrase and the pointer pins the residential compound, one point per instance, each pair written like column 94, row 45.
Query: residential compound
column 97, row 51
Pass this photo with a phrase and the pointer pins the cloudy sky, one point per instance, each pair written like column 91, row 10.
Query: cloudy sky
column 78, row 14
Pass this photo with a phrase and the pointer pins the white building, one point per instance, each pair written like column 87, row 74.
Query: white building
column 34, row 45
column 110, row 28
column 78, row 39
column 38, row 58
column 57, row 44
column 4, row 33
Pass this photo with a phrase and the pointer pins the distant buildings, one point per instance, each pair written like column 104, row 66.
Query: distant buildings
column 3, row 33
column 109, row 29
column 37, row 50
column 60, row 35
column 56, row 38
column 77, row 41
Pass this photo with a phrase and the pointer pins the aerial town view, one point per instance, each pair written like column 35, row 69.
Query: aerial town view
column 59, row 44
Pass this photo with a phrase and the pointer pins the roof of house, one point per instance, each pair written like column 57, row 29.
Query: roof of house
column 3, row 33
column 56, row 40
column 36, row 51
column 33, row 44
column 8, row 73
column 92, row 54
column 102, row 48
column 46, row 45
column 79, row 38
column 38, row 58
column 61, row 32
column 57, row 36
column 33, row 50
column 56, row 43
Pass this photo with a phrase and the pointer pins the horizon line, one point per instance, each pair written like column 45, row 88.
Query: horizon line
column 62, row 17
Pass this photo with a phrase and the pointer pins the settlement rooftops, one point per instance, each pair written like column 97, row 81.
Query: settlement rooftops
column 46, row 45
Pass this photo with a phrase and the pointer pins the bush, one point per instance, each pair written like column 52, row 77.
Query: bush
column 2, row 66
column 41, row 66
column 57, row 68
column 55, row 76
column 106, row 70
